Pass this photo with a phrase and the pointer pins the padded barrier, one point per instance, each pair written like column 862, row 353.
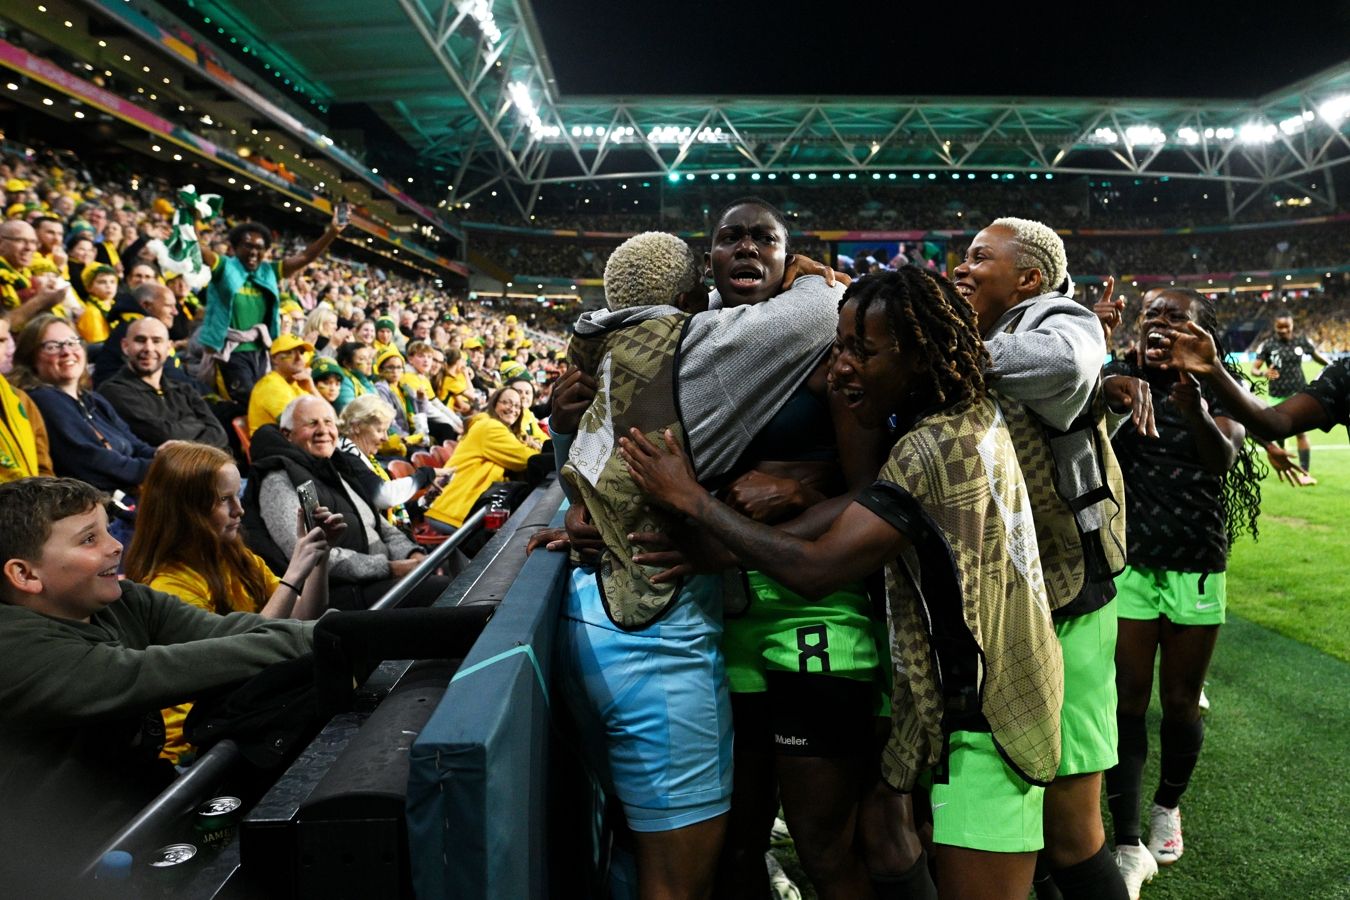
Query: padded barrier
column 478, row 786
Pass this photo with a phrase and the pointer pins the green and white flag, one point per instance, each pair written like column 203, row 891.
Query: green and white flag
column 182, row 253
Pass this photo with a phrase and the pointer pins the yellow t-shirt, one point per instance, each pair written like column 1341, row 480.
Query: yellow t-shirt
column 270, row 396
column 190, row 587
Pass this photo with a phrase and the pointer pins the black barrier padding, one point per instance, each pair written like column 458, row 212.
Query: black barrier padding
column 350, row 833
column 348, row 645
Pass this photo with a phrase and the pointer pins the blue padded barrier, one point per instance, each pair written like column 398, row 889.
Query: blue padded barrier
column 478, row 792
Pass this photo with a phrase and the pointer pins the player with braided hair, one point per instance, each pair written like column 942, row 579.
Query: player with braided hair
column 943, row 333
column 1190, row 493
column 977, row 676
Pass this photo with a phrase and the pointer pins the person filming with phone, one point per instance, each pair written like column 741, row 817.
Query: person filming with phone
column 298, row 452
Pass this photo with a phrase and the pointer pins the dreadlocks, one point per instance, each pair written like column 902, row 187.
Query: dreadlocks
column 1241, row 499
column 929, row 318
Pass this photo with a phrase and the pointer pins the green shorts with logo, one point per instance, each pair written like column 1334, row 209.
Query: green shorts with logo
column 1087, row 721
column 1185, row 598
column 985, row 805
column 783, row 631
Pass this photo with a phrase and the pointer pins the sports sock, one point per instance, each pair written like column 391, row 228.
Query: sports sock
column 1122, row 779
column 1305, row 459
column 1095, row 878
column 1042, row 882
column 914, row 884
column 1180, row 744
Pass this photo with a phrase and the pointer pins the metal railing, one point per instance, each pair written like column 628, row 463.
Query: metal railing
column 394, row 596
column 183, row 795
column 194, row 785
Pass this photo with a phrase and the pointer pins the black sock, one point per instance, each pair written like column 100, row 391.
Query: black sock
column 1122, row 779
column 1095, row 878
column 1180, row 744
column 1305, row 459
column 1043, row 883
column 914, row 884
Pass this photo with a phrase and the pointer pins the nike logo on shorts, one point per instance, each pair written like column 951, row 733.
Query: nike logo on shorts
column 1201, row 607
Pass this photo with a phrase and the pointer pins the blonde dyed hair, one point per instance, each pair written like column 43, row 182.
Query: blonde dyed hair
column 1038, row 247
column 650, row 268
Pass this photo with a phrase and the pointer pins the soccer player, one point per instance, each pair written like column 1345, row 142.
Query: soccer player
column 1280, row 360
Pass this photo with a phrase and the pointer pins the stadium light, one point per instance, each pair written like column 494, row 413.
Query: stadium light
column 1104, row 136
column 1189, row 136
column 1335, row 111
column 1144, row 135
column 1256, row 133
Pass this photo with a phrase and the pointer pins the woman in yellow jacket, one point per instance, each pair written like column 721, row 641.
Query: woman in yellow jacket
column 492, row 445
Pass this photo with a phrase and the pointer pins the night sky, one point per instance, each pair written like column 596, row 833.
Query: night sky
column 1133, row 49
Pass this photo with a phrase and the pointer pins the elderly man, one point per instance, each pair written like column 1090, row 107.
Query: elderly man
column 23, row 295
column 243, row 302
column 157, row 408
column 290, row 378
column 372, row 554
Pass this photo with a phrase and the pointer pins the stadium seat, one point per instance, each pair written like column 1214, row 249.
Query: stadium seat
column 240, row 424
column 442, row 454
column 400, row 469
column 423, row 458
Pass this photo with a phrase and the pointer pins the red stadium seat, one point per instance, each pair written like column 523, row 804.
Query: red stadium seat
column 442, row 454
column 423, row 458
column 240, row 424
column 400, row 469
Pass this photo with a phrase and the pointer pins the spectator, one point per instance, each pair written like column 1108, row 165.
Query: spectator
column 327, row 377
column 23, row 435
column 243, row 303
column 321, row 330
column 288, row 379
column 492, row 446
column 22, row 295
column 356, row 361
column 89, row 440
column 149, row 299
column 409, row 422
column 372, row 555
column 80, row 730
column 364, row 426
column 188, row 544
column 100, row 286
column 157, row 408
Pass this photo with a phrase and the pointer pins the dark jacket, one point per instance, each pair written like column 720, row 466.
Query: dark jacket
column 80, row 722
column 271, row 452
column 89, row 440
column 174, row 412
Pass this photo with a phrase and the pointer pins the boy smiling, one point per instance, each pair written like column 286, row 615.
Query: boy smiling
column 86, row 663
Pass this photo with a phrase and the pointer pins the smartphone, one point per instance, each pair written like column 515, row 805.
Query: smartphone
column 309, row 502
column 343, row 211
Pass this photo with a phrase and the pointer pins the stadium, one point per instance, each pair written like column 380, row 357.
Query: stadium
column 324, row 327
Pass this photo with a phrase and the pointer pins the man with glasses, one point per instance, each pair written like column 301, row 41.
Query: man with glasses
column 22, row 294
column 243, row 303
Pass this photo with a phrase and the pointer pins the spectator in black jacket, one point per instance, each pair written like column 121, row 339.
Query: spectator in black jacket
column 158, row 408
column 149, row 299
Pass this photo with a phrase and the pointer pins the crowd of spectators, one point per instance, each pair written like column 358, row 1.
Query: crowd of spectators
column 845, row 205
column 111, row 358
column 863, row 203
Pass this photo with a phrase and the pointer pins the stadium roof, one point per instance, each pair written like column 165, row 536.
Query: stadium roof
column 469, row 86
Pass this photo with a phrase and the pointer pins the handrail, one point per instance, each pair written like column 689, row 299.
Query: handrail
column 394, row 596
column 188, row 789
column 179, row 797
